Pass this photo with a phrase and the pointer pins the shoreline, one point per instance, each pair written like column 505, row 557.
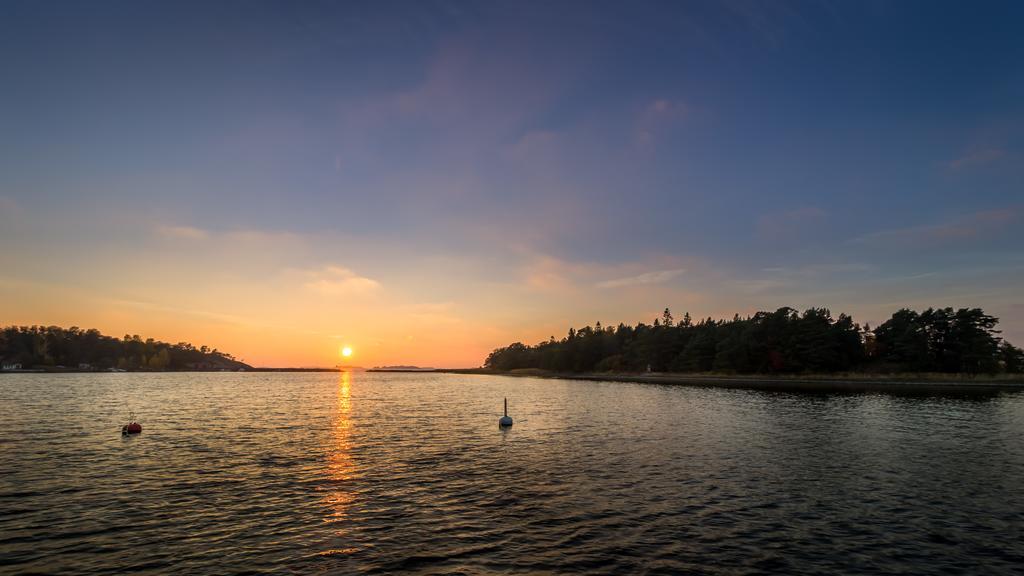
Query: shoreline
column 927, row 383
column 817, row 383
column 55, row 370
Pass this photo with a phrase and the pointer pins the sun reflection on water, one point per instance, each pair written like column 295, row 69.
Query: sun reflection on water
column 340, row 466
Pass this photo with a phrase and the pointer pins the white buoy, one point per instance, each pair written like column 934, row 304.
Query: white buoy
column 505, row 421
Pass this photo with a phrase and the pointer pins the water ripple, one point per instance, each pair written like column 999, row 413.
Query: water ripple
column 388, row 473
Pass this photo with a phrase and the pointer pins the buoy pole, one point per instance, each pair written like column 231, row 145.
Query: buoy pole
column 505, row 421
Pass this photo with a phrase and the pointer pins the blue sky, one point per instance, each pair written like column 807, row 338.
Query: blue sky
column 519, row 166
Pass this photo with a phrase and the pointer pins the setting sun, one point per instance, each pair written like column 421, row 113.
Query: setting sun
column 346, row 351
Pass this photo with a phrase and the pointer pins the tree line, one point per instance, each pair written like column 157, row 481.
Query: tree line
column 52, row 346
column 783, row 341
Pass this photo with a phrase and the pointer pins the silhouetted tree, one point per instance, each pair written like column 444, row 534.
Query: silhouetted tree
column 940, row 340
column 785, row 340
column 52, row 346
column 1011, row 358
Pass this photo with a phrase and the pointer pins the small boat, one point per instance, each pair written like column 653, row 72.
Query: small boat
column 132, row 427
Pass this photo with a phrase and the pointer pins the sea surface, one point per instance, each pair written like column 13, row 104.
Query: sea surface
column 408, row 473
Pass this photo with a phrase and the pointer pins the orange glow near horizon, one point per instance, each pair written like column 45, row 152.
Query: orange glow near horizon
column 295, row 331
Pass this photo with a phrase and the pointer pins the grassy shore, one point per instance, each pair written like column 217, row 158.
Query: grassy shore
column 848, row 382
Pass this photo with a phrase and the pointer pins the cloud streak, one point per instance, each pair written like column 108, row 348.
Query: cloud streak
column 340, row 281
column 962, row 229
column 977, row 158
column 790, row 225
column 657, row 118
column 647, row 278
column 182, row 232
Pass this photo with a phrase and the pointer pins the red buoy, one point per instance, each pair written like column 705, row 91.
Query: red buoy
column 131, row 427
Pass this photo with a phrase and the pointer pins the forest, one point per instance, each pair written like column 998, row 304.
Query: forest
column 785, row 341
column 75, row 348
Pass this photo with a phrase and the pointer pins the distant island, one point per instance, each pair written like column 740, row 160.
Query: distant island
column 401, row 368
column 52, row 348
column 783, row 342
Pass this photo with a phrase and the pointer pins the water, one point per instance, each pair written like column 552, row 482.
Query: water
column 351, row 473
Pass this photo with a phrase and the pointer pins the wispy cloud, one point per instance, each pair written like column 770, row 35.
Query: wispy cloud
column 433, row 313
column 655, row 277
column 977, row 158
column 787, row 278
column 182, row 232
column 472, row 94
column 657, row 117
column 216, row 316
column 790, row 225
column 8, row 205
column 815, row 270
column 11, row 214
column 533, row 146
column 761, row 285
column 548, row 274
column 963, row 228
column 337, row 281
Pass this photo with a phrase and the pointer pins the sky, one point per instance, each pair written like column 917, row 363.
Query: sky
column 426, row 181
